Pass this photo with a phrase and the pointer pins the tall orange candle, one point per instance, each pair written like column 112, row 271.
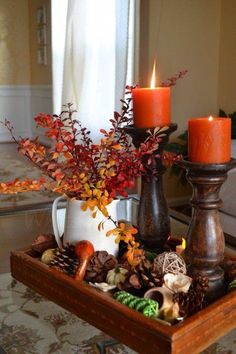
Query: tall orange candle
column 209, row 140
column 151, row 106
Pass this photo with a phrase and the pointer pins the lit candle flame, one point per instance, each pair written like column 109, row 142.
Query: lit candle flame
column 180, row 248
column 210, row 118
column 153, row 80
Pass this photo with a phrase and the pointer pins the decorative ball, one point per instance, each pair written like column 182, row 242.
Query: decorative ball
column 48, row 255
column 169, row 262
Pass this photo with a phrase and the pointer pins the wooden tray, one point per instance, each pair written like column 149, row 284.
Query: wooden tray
column 128, row 326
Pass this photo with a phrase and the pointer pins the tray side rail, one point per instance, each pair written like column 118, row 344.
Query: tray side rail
column 101, row 310
column 144, row 335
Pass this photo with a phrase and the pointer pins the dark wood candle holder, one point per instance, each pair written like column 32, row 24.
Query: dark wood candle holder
column 205, row 237
column 153, row 215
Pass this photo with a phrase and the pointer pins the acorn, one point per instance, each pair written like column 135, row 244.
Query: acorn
column 48, row 255
column 84, row 250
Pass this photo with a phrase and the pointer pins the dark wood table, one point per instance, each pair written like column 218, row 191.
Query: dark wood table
column 142, row 334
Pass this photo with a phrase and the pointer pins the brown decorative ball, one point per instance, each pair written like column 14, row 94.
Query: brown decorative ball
column 169, row 262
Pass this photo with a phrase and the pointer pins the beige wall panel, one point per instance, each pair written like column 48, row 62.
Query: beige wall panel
column 183, row 34
column 14, row 43
column 227, row 72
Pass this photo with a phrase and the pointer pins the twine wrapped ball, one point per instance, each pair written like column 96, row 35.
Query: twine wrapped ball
column 169, row 262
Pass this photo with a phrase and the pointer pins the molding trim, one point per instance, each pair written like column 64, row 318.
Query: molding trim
column 41, row 91
column 41, row 101
column 19, row 104
column 15, row 106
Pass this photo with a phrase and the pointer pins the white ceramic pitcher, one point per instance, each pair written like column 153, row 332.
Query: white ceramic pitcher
column 80, row 225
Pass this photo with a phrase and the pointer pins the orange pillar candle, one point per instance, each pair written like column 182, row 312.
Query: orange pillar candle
column 151, row 106
column 209, row 140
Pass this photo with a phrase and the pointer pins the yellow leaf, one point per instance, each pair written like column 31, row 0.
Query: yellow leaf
column 112, row 162
column 109, row 233
column 101, row 226
column 105, row 212
column 102, row 171
column 94, row 214
column 55, row 155
column 91, row 202
column 111, row 173
column 95, row 192
column 84, row 206
column 86, row 187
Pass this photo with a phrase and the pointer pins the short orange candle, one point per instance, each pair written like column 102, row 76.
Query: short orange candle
column 209, row 140
column 151, row 106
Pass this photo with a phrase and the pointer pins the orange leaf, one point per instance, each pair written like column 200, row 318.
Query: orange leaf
column 116, row 147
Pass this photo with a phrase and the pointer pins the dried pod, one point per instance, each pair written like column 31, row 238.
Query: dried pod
column 162, row 295
column 99, row 266
column 177, row 282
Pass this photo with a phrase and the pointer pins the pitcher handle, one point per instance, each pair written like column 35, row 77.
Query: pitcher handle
column 55, row 222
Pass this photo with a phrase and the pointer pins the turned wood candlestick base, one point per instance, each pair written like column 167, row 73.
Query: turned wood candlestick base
column 205, row 237
column 153, row 216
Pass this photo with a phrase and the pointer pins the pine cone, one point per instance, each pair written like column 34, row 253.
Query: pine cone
column 99, row 266
column 194, row 300
column 65, row 260
column 229, row 267
column 200, row 283
column 142, row 276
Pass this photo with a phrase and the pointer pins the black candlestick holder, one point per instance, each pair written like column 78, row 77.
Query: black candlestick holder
column 153, row 216
column 205, row 238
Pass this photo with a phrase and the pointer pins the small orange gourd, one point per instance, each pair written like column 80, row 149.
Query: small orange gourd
column 84, row 250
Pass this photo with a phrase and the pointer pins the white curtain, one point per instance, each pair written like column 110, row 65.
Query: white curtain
column 58, row 20
column 98, row 46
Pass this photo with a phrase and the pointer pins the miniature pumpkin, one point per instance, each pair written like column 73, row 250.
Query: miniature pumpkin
column 116, row 275
column 232, row 285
